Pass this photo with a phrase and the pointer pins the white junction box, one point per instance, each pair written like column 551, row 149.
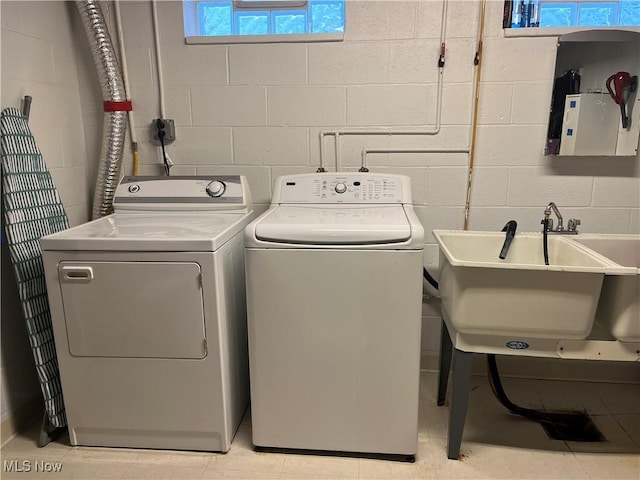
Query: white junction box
column 590, row 125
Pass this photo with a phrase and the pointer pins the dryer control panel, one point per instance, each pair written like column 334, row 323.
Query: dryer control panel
column 328, row 188
column 175, row 193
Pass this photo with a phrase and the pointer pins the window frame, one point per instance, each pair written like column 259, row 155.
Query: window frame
column 261, row 6
column 538, row 31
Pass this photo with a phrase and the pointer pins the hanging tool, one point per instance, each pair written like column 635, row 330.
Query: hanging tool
column 623, row 85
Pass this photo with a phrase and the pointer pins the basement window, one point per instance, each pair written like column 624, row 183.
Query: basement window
column 571, row 14
column 263, row 21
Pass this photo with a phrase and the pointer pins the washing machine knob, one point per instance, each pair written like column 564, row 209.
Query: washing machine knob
column 341, row 187
column 216, row 188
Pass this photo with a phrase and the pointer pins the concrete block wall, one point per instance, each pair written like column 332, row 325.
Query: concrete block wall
column 258, row 109
column 38, row 59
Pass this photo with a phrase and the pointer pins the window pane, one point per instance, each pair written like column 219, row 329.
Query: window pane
column 252, row 23
column 629, row 12
column 597, row 14
column 557, row 14
column 289, row 22
column 214, row 18
column 327, row 16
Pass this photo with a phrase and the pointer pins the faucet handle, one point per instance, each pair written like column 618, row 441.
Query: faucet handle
column 573, row 225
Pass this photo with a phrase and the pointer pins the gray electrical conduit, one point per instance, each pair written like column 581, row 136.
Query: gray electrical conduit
column 115, row 123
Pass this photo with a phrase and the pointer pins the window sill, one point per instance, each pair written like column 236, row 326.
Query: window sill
column 301, row 38
column 558, row 32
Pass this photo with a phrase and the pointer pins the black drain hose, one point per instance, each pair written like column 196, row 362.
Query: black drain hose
column 498, row 391
column 432, row 281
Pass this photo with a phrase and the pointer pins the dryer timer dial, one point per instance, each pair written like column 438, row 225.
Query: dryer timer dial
column 216, row 188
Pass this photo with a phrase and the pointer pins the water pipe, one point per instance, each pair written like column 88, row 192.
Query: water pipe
column 390, row 131
column 127, row 89
column 156, row 44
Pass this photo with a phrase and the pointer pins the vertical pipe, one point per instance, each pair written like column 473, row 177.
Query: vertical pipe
column 127, row 89
column 474, row 123
column 156, row 42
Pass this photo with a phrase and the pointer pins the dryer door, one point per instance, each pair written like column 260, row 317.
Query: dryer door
column 133, row 309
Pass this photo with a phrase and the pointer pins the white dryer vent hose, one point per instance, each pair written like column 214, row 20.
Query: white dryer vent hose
column 115, row 105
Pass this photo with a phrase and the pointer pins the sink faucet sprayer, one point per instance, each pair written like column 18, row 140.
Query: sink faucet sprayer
column 510, row 227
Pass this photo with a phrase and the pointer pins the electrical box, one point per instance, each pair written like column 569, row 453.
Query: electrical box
column 167, row 127
column 590, row 125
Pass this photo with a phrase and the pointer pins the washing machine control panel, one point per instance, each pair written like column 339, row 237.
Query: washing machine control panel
column 209, row 192
column 342, row 188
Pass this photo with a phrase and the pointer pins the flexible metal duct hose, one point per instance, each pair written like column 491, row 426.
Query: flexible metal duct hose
column 115, row 123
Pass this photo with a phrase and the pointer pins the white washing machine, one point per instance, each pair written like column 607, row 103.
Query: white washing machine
column 334, row 302
column 149, row 315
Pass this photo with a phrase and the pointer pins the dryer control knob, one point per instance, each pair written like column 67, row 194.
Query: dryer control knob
column 216, row 188
column 341, row 187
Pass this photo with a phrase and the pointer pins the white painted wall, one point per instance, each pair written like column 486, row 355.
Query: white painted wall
column 38, row 59
column 257, row 110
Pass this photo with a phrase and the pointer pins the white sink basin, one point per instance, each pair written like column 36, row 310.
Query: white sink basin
column 619, row 306
column 520, row 296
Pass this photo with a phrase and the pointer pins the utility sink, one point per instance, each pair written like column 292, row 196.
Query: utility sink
column 520, row 296
column 619, row 307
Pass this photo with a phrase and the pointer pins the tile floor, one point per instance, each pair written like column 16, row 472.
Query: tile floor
column 496, row 445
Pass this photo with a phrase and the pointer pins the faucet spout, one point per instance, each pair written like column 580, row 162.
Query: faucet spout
column 547, row 221
column 510, row 229
column 556, row 211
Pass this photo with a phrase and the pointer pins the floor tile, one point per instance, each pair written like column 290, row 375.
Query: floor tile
column 322, row 466
column 433, row 421
column 617, row 439
column 610, row 466
column 26, row 443
column 242, row 458
column 310, row 476
column 630, row 423
column 619, row 398
column 391, row 470
column 240, row 475
column 173, row 458
column 100, row 454
column 90, row 470
column 580, row 396
column 143, row 471
column 544, row 465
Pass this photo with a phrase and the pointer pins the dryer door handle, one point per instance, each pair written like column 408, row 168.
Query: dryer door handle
column 77, row 274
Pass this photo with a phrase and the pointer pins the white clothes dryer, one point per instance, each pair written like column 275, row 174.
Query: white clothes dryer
column 149, row 315
column 334, row 292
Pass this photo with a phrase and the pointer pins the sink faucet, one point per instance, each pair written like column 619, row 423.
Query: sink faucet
column 547, row 221
column 510, row 228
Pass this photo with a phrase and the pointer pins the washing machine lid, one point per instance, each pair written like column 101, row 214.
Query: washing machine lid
column 192, row 232
column 334, row 225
